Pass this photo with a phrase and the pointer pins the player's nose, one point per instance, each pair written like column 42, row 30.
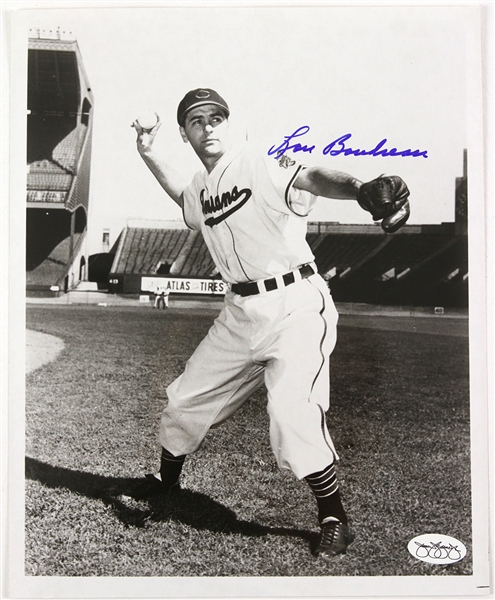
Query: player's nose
column 208, row 128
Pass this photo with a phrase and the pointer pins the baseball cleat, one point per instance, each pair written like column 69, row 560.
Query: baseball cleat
column 334, row 539
column 150, row 487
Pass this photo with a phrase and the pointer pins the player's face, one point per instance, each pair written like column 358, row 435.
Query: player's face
column 206, row 128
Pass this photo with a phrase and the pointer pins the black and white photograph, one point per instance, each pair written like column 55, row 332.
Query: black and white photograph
column 248, row 328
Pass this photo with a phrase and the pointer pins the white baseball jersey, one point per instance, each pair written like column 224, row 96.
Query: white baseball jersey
column 251, row 217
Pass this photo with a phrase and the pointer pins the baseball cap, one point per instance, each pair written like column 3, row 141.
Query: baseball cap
column 199, row 97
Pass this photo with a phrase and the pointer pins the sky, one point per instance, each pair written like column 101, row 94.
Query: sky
column 392, row 72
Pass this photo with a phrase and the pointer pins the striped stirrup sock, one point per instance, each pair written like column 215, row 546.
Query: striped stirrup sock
column 326, row 491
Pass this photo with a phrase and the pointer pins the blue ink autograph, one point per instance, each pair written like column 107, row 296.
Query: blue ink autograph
column 338, row 147
column 378, row 150
column 284, row 146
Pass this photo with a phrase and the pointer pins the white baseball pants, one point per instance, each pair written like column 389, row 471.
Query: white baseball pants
column 283, row 338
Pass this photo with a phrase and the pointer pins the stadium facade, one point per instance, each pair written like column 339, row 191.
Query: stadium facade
column 423, row 265
column 59, row 134
column 420, row 265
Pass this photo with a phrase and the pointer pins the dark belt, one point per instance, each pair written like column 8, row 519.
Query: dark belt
column 256, row 287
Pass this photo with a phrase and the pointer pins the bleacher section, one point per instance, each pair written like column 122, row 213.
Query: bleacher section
column 148, row 251
column 54, row 268
column 144, row 251
column 46, row 176
column 55, row 167
column 67, row 151
column 344, row 251
column 198, row 262
column 59, row 132
column 399, row 254
column 419, row 269
column 440, row 266
column 47, row 131
column 441, row 278
column 419, row 265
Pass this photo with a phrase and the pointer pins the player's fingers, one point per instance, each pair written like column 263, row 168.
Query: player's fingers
column 154, row 131
column 137, row 127
column 145, row 137
column 155, row 128
column 141, row 140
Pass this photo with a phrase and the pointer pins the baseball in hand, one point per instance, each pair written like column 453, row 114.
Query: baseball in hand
column 147, row 119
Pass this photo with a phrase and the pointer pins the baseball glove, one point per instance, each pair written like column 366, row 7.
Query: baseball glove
column 386, row 198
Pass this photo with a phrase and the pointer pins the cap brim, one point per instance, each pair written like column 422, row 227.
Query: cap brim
column 202, row 103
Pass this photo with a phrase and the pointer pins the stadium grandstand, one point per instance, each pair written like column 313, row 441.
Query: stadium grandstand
column 420, row 265
column 59, row 131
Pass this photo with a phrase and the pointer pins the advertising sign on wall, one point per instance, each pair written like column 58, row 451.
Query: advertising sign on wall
column 181, row 285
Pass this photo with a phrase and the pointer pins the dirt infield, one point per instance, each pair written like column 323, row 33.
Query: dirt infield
column 41, row 348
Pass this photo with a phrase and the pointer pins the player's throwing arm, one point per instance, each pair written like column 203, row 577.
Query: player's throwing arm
column 171, row 181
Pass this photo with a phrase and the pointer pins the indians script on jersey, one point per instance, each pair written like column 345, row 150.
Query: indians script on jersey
column 212, row 205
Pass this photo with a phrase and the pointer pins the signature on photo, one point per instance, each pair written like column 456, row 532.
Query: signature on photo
column 338, row 147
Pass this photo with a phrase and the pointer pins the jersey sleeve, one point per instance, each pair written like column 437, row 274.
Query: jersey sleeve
column 283, row 172
column 191, row 208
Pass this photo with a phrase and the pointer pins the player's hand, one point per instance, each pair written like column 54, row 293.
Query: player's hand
column 146, row 137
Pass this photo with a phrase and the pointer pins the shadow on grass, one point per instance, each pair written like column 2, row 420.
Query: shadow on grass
column 184, row 506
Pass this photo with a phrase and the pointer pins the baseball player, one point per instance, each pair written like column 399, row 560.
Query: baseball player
column 161, row 298
column 278, row 323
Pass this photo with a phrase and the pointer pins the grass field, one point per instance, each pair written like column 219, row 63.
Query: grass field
column 399, row 417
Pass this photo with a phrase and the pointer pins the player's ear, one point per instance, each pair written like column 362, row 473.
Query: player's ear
column 183, row 134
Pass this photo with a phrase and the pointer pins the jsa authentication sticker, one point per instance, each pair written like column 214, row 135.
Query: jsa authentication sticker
column 437, row 549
